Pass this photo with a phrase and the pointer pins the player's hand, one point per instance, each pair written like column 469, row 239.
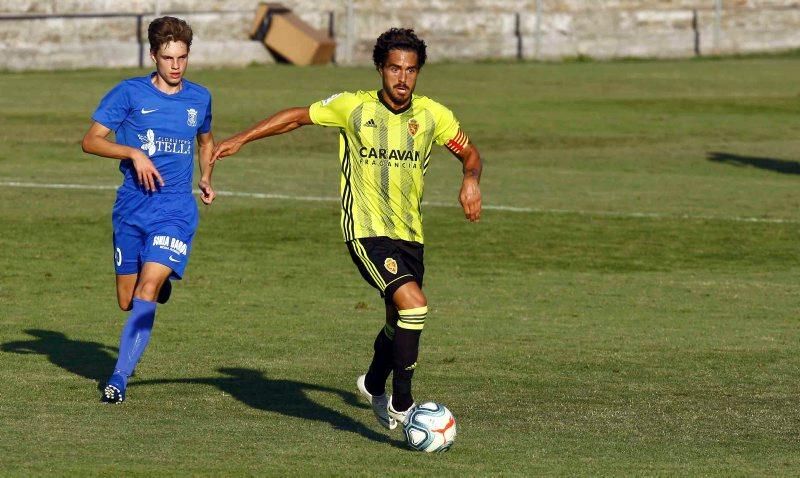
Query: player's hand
column 146, row 171
column 229, row 147
column 470, row 199
column 207, row 193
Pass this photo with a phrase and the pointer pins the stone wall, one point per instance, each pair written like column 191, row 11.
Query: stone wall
column 59, row 34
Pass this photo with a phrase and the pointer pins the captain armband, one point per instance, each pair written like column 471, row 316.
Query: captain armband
column 458, row 143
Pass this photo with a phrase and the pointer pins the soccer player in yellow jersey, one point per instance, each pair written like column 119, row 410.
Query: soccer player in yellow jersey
column 384, row 149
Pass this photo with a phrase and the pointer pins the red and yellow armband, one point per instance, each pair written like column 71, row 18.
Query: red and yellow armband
column 458, row 143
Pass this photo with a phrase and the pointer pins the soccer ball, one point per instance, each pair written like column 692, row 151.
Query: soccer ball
column 430, row 428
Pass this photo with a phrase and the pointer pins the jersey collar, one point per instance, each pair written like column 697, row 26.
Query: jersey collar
column 394, row 111
column 177, row 94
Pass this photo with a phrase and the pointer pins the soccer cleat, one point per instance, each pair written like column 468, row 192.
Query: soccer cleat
column 165, row 292
column 379, row 404
column 399, row 417
column 114, row 391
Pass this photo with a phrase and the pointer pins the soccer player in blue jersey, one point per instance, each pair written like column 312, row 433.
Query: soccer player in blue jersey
column 155, row 119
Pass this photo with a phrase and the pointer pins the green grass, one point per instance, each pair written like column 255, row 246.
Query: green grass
column 637, row 316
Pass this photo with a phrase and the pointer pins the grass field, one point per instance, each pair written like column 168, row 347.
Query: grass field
column 627, row 305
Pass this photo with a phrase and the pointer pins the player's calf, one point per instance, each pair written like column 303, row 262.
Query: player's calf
column 405, row 353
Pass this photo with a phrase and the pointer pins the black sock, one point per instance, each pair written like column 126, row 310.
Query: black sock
column 381, row 365
column 406, row 350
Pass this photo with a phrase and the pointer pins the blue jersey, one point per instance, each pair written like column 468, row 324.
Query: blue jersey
column 163, row 126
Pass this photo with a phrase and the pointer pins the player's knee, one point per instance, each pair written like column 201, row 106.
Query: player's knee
column 124, row 303
column 409, row 296
column 147, row 290
column 414, row 302
column 125, row 299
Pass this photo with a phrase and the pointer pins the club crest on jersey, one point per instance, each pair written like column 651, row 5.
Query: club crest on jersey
column 413, row 126
column 390, row 265
column 192, row 119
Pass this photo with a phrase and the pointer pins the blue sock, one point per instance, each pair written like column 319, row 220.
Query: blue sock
column 133, row 340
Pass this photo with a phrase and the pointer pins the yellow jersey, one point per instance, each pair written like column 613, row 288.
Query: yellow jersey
column 384, row 156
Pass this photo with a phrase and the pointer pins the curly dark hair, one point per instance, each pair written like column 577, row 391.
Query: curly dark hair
column 166, row 29
column 398, row 39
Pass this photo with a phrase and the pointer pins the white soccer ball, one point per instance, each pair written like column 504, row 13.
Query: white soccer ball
column 430, row 428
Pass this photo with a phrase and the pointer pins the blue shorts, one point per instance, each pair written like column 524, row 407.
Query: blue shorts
column 153, row 228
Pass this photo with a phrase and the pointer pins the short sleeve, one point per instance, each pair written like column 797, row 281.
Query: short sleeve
column 113, row 108
column 447, row 126
column 334, row 110
column 206, row 126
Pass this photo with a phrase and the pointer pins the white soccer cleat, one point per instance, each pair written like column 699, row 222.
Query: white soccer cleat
column 379, row 404
column 400, row 417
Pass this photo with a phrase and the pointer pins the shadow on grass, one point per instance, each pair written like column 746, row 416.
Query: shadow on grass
column 771, row 164
column 287, row 397
column 91, row 360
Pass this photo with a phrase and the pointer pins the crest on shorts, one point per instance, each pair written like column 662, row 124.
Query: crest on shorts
column 413, row 126
column 192, row 119
column 390, row 265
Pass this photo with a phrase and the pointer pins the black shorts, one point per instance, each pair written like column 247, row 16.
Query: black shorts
column 387, row 263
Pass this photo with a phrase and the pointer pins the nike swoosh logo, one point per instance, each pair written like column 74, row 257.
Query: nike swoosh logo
column 144, row 111
column 173, row 259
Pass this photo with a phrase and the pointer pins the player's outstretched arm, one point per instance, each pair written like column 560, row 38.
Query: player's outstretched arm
column 281, row 122
column 470, row 194
column 206, row 143
column 95, row 142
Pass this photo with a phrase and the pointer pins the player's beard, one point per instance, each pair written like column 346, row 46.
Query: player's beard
column 394, row 97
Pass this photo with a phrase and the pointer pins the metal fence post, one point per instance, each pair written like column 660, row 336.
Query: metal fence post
column 537, row 51
column 140, row 40
column 332, row 32
column 350, row 33
column 717, row 25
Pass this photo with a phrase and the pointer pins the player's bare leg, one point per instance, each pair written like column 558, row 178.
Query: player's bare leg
column 126, row 283
column 151, row 278
column 412, row 308
column 409, row 296
column 136, row 332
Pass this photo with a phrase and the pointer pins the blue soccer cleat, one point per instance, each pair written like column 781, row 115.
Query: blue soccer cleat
column 114, row 391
